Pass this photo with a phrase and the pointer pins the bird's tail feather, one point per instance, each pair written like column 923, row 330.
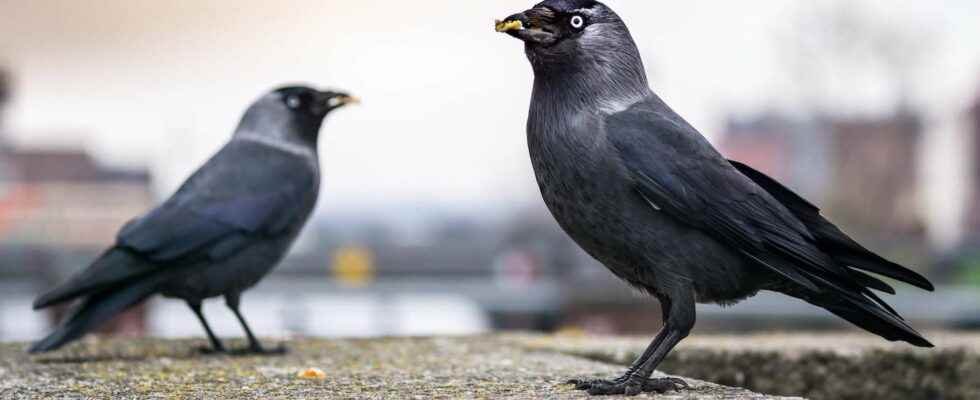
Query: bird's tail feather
column 860, row 258
column 95, row 310
column 869, row 316
column 113, row 268
column 849, row 299
column 831, row 240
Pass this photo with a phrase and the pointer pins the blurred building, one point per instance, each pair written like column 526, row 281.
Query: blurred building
column 792, row 150
column 875, row 175
column 65, row 199
column 962, row 264
column 60, row 208
column 862, row 171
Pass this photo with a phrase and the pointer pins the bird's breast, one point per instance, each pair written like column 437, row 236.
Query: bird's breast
column 579, row 186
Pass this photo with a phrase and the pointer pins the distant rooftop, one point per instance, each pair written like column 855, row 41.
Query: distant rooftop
column 768, row 124
column 46, row 166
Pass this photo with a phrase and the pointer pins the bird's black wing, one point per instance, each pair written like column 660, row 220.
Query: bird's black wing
column 679, row 173
column 248, row 190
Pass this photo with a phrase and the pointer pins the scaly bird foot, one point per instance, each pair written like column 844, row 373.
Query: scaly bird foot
column 629, row 387
column 585, row 384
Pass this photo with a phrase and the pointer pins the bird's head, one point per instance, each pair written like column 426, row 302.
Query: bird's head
column 563, row 37
column 293, row 110
column 301, row 102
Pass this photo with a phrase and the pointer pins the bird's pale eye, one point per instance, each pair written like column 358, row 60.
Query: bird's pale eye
column 294, row 102
column 577, row 21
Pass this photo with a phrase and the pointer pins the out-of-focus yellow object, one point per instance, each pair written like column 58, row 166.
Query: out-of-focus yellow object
column 570, row 331
column 312, row 373
column 353, row 266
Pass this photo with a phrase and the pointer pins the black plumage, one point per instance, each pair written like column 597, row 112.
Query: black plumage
column 643, row 192
column 226, row 227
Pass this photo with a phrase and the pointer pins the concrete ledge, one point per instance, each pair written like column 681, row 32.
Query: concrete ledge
column 492, row 367
column 816, row 366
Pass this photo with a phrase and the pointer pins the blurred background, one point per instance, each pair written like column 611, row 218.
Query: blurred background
column 430, row 221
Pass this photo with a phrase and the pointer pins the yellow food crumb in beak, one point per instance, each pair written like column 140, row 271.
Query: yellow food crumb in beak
column 350, row 100
column 312, row 373
column 507, row 26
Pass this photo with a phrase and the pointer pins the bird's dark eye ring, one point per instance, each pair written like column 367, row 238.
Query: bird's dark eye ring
column 294, row 102
column 577, row 21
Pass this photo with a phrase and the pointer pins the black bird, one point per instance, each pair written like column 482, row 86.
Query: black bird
column 644, row 193
column 221, row 232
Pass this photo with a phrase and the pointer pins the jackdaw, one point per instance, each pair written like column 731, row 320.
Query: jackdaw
column 645, row 194
column 226, row 227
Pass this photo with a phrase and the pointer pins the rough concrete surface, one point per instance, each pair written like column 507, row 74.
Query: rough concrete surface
column 476, row 367
column 818, row 366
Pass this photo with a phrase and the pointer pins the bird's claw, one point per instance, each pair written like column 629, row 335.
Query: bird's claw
column 585, row 384
column 630, row 387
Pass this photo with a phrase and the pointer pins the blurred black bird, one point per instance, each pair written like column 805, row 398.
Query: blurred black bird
column 644, row 193
column 221, row 232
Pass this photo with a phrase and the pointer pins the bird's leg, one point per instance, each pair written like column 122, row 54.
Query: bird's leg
column 216, row 346
column 640, row 381
column 586, row 384
column 254, row 346
column 642, row 359
column 679, row 321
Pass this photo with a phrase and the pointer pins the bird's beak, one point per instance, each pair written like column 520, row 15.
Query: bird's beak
column 533, row 26
column 509, row 25
column 348, row 100
column 333, row 101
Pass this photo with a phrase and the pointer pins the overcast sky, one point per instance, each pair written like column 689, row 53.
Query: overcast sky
column 445, row 98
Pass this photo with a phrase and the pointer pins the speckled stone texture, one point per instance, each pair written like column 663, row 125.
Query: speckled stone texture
column 480, row 367
column 829, row 366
